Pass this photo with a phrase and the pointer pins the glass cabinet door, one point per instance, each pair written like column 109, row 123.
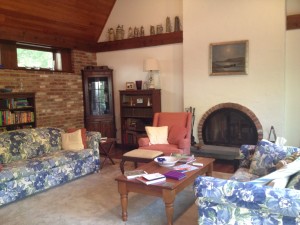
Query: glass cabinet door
column 99, row 96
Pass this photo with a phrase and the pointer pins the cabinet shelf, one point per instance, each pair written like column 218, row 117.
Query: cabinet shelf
column 135, row 117
column 99, row 100
column 141, row 42
column 17, row 111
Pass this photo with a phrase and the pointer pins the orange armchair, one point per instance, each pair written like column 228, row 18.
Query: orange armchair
column 179, row 133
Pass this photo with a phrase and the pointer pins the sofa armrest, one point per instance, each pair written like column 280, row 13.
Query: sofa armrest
column 247, row 195
column 93, row 139
column 246, row 153
column 143, row 141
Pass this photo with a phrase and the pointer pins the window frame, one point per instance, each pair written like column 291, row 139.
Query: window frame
column 9, row 58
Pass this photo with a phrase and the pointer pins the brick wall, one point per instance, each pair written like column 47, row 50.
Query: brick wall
column 59, row 96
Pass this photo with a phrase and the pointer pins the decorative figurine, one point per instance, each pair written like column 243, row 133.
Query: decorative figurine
column 111, row 34
column 152, row 30
column 142, row 32
column 136, row 32
column 120, row 33
column 168, row 25
column 177, row 24
column 130, row 33
column 159, row 29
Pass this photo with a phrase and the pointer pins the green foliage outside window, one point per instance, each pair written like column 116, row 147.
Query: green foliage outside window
column 34, row 58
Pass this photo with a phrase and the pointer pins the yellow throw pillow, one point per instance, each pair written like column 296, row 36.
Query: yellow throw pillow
column 157, row 135
column 72, row 141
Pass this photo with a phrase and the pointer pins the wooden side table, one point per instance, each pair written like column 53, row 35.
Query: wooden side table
column 105, row 148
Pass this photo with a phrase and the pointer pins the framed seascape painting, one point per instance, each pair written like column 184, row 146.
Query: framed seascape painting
column 229, row 58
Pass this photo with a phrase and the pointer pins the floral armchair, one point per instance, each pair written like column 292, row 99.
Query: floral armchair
column 179, row 133
column 237, row 201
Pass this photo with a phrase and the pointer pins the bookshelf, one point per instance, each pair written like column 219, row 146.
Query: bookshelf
column 17, row 111
column 137, row 111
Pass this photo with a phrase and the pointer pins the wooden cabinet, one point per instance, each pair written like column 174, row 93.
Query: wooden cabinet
column 99, row 100
column 17, row 111
column 137, row 110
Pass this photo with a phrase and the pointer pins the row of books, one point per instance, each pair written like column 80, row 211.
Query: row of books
column 14, row 103
column 8, row 117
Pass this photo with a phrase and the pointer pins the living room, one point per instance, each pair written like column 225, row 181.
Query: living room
column 268, row 89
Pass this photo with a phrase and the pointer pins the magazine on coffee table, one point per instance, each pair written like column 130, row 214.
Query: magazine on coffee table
column 185, row 168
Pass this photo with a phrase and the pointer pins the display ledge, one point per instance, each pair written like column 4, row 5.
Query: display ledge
column 141, row 42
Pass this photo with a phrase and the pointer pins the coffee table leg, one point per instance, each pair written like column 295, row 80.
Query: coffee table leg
column 124, row 199
column 210, row 170
column 169, row 197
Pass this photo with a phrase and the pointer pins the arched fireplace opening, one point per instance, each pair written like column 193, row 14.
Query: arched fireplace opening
column 229, row 127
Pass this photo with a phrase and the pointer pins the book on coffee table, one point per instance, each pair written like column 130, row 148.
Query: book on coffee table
column 134, row 174
column 174, row 174
column 152, row 178
column 145, row 181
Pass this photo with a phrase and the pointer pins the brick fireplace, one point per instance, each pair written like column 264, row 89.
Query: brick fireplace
column 229, row 119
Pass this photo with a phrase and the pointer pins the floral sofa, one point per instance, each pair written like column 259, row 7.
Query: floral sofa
column 33, row 161
column 241, row 200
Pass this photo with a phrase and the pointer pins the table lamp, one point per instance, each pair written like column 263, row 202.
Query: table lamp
column 151, row 65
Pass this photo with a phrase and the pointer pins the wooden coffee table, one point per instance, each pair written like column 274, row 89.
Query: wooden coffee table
column 167, row 191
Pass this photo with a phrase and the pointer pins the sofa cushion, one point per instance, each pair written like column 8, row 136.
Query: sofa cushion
column 83, row 135
column 157, row 135
column 266, row 156
column 72, row 141
column 25, row 168
column 176, row 133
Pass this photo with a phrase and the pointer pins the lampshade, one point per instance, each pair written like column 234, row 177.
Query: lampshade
column 150, row 65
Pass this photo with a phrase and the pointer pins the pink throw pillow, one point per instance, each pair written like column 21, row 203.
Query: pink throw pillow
column 176, row 134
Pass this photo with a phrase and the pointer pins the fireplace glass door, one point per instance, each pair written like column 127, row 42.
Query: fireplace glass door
column 229, row 127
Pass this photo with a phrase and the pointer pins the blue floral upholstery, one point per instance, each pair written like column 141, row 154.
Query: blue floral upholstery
column 237, row 201
column 33, row 161
column 266, row 156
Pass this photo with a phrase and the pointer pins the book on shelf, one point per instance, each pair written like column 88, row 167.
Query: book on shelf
column 185, row 168
column 184, row 158
column 147, row 182
column 175, row 174
column 134, row 174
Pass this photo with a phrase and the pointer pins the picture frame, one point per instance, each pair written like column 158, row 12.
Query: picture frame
column 129, row 85
column 229, row 58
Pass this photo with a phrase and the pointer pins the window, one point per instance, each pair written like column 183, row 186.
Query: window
column 36, row 57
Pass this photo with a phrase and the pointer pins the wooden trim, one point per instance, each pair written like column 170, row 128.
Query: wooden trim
column 293, row 22
column 141, row 42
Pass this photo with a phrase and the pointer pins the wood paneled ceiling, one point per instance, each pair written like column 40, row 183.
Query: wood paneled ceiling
column 75, row 24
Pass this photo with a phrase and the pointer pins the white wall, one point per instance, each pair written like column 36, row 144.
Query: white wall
column 262, row 90
column 292, row 128
column 128, row 64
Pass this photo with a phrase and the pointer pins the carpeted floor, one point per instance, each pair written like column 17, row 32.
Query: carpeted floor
column 93, row 200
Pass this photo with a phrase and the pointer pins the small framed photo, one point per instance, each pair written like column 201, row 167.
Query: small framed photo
column 129, row 85
column 228, row 58
column 139, row 101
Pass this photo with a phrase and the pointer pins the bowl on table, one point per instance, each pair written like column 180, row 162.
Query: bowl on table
column 166, row 161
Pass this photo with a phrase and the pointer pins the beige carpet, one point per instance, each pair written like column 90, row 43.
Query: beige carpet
column 94, row 200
